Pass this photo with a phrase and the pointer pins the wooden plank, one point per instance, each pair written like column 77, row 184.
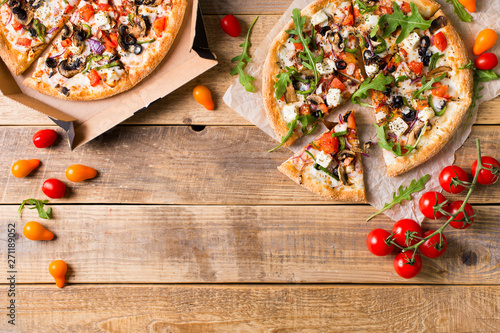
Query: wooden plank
column 175, row 165
column 243, row 244
column 207, row 309
column 180, row 108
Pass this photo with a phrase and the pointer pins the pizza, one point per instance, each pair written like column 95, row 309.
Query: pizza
column 411, row 60
column 331, row 165
column 103, row 48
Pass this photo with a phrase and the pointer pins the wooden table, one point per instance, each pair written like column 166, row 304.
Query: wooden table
column 190, row 228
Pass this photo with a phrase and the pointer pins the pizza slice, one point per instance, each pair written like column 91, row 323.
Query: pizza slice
column 27, row 27
column 331, row 165
column 307, row 77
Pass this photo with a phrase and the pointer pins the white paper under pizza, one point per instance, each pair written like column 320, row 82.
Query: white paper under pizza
column 379, row 186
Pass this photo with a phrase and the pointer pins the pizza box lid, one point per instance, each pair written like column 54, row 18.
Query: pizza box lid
column 188, row 58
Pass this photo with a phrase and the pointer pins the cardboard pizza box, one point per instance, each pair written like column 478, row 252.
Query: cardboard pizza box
column 188, row 58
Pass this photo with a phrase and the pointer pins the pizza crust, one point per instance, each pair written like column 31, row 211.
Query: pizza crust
column 346, row 193
column 15, row 61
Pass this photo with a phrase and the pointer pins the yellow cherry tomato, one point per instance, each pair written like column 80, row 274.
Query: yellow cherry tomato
column 58, row 270
column 203, row 96
column 470, row 5
column 35, row 231
column 78, row 173
column 484, row 41
column 22, row 168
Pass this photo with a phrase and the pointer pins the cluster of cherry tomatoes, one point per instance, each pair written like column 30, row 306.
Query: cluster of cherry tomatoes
column 407, row 233
column 53, row 188
column 485, row 40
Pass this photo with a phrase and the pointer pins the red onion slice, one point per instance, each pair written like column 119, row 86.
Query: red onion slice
column 96, row 46
column 10, row 18
column 51, row 31
column 58, row 55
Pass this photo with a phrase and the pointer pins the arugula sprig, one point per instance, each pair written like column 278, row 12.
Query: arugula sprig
column 308, row 59
column 38, row 205
column 380, row 83
column 242, row 60
column 364, row 8
column 427, row 85
column 305, row 121
column 388, row 23
column 434, row 59
column 395, row 147
column 403, row 194
column 459, row 9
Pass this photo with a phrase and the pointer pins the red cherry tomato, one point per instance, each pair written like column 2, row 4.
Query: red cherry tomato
column 44, row 138
column 406, row 266
column 446, row 176
column 231, row 25
column 486, row 61
column 54, row 188
column 440, row 41
column 487, row 177
column 427, row 203
column 404, row 227
column 457, row 222
column 376, row 242
column 433, row 248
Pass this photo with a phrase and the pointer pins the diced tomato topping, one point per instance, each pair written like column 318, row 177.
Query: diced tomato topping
column 17, row 26
column 386, row 10
column 356, row 12
column 405, row 7
column 322, row 107
column 86, row 12
column 439, row 90
column 283, row 98
column 66, row 42
column 416, row 67
column 104, row 7
column 351, row 124
column 159, row 25
column 440, row 41
column 403, row 52
column 304, row 110
column 421, row 104
column 68, row 9
column 110, row 41
column 328, row 144
column 94, row 78
column 336, row 83
column 298, row 46
column 24, row 41
column 349, row 19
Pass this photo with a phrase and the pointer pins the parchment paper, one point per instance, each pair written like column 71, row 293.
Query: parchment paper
column 379, row 186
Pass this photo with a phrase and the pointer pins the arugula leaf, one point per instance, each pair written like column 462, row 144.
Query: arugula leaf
column 428, row 85
column 243, row 59
column 395, row 147
column 404, row 194
column 38, row 205
column 459, row 9
column 282, row 83
column 486, row 76
column 469, row 65
column 364, row 8
column 378, row 83
column 291, row 129
column 307, row 120
column 434, row 59
column 388, row 23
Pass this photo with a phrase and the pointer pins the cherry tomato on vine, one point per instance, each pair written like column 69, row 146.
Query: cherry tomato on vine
column 400, row 230
column 44, row 138
column 406, row 266
column 78, row 173
column 231, row 25
column 486, row 61
column 427, row 203
column 470, row 5
column 203, row 96
column 54, row 188
column 484, row 41
column 487, row 177
column 457, row 222
column 446, row 176
column 376, row 242
column 58, row 269
column 35, row 231
column 433, row 248
column 22, row 168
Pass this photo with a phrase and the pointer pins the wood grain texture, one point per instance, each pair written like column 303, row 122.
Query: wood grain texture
column 177, row 165
column 240, row 244
column 254, row 309
column 179, row 108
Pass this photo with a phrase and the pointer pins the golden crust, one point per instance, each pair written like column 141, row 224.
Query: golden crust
column 346, row 193
column 15, row 61
column 427, row 8
column 446, row 125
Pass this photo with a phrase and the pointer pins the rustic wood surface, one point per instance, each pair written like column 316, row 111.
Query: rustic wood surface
column 185, row 195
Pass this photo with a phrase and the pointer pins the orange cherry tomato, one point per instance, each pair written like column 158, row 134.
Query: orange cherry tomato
column 440, row 41
column 470, row 5
column 58, row 269
column 484, row 41
column 78, row 173
column 22, row 168
column 203, row 96
column 35, row 231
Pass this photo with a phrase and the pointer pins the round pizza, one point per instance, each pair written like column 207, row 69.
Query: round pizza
column 104, row 47
column 405, row 55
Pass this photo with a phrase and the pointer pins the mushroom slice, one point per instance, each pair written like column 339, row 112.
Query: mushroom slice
column 346, row 157
column 438, row 71
column 140, row 28
column 23, row 14
column 290, row 95
column 78, row 40
column 414, row 134
column 34, row 4
column 337, row 43
column 67, row 31
column 71, row 66
column 315, row 99
column 343, row 175
column 437, row 24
